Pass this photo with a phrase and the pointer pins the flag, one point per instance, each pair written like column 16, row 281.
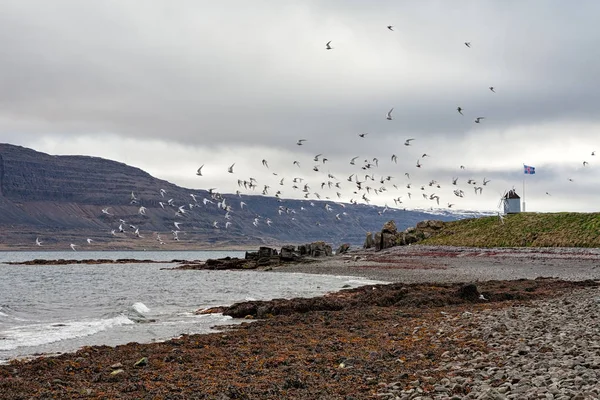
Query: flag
column 528, row 169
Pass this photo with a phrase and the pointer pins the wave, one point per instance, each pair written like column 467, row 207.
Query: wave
column 40, row 334
column 140, row 308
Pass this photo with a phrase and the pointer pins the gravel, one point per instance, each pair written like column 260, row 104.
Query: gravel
column 549, row 349
column 414, row 264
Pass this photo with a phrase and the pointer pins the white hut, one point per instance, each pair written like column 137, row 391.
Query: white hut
column 511, row 202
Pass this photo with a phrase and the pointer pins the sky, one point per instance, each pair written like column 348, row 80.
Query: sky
column 169, row 86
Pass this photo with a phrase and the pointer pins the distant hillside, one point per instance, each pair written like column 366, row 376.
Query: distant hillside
column 60, row 199
column 522, row 230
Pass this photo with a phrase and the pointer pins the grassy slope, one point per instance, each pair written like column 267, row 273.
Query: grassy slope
column 523, row 230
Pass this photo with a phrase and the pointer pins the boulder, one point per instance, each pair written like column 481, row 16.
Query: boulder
column 469, row 292
column 319, row 249
column 377, row 240
column 429, row 224
column 389, row 227
column 388, row 240
column 288, row 253
column 343, row 248
column 368, row 241
column 266, row 252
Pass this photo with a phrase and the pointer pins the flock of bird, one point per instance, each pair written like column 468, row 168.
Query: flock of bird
column 315, row 182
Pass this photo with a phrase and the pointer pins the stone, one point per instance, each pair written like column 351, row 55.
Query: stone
column 343, row 248
column 388, row 240
column 389, row 227
column 377, row 240
column 142, row 362
column 368, row 241
column 288, row 253
column 469, row 292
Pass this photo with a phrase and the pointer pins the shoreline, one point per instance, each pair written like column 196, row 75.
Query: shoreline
column 357, row 351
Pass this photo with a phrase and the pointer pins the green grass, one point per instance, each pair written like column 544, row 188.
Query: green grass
column 522, row 230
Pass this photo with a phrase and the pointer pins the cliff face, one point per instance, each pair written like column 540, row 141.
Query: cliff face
column 61, row 198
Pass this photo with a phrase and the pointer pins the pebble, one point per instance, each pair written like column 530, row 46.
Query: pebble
column 547, row 349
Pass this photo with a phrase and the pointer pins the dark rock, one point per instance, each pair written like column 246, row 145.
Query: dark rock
column 368, row 241
column 343, row 248
column 142, row 362
column 388, row 240
column 389, row 227
column 468, row 292
column 377, row 241
column 318, row 249
column 288, row 253
column 266, row 252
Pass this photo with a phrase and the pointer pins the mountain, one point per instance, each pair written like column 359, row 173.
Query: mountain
column 60, row 200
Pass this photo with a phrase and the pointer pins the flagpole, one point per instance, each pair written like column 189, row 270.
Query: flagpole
column 523, row 193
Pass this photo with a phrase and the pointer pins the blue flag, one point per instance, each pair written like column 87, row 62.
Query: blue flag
column 528, row 169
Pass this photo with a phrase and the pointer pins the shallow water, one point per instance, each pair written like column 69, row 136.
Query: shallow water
column 59, row 308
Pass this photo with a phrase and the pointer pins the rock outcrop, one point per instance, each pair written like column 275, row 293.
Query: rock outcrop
column 389, row 236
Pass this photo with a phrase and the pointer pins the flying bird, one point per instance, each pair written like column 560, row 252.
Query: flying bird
column 389, row 115
column 585, row 163
column 407, row 142
column 478, row 119
column 264, row 162
column 73, row 246
column 105, row 211
column 459, row 109
column 492, row 89
column 37, row 241
column 362, row 135
column 394, row 158
column 89, row 241
column 468, row 44
column 230, row 169
column 300, row 142
column 328, row 47
column 199, row 172
column 390, row 27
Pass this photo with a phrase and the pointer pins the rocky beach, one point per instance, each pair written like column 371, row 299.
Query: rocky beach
column 455, row 323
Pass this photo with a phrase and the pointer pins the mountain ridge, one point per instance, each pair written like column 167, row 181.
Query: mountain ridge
column 60, row 199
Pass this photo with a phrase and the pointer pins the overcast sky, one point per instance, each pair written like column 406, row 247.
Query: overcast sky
column 168, row 86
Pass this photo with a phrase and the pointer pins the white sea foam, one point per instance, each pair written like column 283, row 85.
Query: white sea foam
column 39, row 334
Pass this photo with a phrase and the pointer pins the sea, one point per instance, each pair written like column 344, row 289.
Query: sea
column 52, row 309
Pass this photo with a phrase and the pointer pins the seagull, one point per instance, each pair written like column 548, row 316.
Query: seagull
column 176, row 224
column 462, row 167
column 230, row 169
column 89, row 241
column 199, row 172
column 389, row 114
column 485, row 182
column 300, row 142
column 297, row 163
column 105, row 211
column 353, row 159
column 585, row 163
column 362, row 135
column 390, row 27
column 407, row 142
column 459, row 109
column 593, row 153
column 162, row 192
column 142, row 210
column 478, row 119
column 492, row 89
column 468, row 44
column 73, row 246
column 37, row 241
column 327, row 46
column 227, row 224
column 242, row 204
column 482, row 297
column 264, row 162
column 394, row 158
column 121, row 228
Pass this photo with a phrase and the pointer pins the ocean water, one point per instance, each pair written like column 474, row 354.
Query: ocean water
column 52, row 309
